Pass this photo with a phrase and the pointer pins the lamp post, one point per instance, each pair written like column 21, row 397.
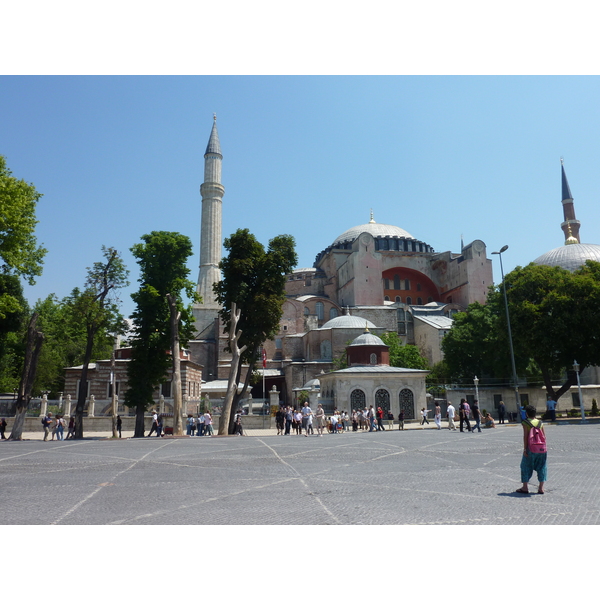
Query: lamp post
column 476, row 382
column 576, row 369
column 512, row 352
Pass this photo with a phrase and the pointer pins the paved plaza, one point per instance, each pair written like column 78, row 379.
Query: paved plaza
column 417, row 476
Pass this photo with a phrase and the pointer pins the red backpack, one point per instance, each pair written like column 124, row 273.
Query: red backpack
column 536, row 441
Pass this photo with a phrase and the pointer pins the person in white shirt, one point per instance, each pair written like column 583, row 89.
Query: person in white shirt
column 306, row 411
column 450, row 412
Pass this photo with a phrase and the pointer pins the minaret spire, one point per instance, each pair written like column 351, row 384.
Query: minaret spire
column 570, row 225
column 212, row 192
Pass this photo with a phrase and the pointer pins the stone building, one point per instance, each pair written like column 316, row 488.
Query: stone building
column 100, row 386
column 373, row 274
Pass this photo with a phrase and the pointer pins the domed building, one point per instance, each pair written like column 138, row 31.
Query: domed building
column 573, row 254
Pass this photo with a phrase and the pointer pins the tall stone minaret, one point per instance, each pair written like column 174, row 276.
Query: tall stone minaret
column 210, row 229
column 570, row 225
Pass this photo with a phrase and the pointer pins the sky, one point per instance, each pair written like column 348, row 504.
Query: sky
column 447, row 158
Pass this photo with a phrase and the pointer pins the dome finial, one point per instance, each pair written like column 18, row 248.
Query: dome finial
column 571, row 239
column 372, row 219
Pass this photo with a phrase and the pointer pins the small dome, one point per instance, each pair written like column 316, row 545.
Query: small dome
column 348, row 322
column 368, row 339
column 375, row 229
column 570, row 257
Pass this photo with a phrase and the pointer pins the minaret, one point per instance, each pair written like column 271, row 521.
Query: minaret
column 570, row 225
column 210, row 229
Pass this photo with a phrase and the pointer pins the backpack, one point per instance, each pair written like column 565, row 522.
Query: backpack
column 536, row 441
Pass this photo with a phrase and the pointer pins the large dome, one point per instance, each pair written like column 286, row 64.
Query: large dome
column 570, row 257
column 375, row 229
column 348, row 322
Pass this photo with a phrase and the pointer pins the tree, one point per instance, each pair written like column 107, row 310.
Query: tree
column 96, row 310
column 406, row 356
column 254, row 280
column 20, row 256
column 19, row 252
column 33, row 345
column 162, row 258
column 551, row 311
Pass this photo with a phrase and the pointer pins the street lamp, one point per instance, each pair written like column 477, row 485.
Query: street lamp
column 476, row 381
column 512, row 352
column 576, row 369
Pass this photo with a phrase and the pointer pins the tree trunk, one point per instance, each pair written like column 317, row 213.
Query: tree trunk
column 232, row 382
column 239, row 394
column 139, row 421
column 113, row 396
column 176, row 383
column 82, row 391
column 32, row 355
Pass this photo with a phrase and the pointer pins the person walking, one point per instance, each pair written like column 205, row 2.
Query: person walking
column 119, row 425
column 280, row 420
column 289, row 416
column 532, row 461
column 437, row 417
column 3, row 426
column 477, row 417
column 424, row 412
column 71, row 428
column 380, row 426
column 154, row 423
column 371, row 418
column 46, row 423
column 450, row 411
column 320, row 420
column 462, row 413
column 501, row 412
column 60, row 428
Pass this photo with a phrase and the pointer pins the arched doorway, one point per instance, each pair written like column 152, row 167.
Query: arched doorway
column 357, row 400
column 382, row 398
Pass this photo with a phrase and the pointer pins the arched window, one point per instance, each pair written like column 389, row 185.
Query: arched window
column 408, row 300
column 373, row 358
column 382, row 398
column 396, row 281
column 386, row 298
column 419, row 301
column 320, row 311
column 357, row 400
column 407, row 284
column 398, row 299
column 306, row 311
column 407, row 403
column 333, row 312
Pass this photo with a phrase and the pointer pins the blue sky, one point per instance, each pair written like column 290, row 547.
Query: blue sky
column 440, row 156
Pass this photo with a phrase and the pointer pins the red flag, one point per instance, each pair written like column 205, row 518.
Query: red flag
column 264, row 357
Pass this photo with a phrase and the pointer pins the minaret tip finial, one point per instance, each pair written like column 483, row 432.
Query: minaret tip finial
column 372, row 219
column 562, row 162
column 214, row 116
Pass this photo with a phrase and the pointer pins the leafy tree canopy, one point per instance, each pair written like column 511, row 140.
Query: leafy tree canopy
column 162, row 257
column 19, row 251
column 405, row 356
column 255, row 280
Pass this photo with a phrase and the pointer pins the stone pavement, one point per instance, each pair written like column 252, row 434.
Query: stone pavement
column 417, row 476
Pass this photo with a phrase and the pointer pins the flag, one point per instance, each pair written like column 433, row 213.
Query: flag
column 264, row 358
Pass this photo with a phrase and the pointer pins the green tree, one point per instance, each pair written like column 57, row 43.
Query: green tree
column 20, row 256
column 551, row 312
column 405, row 356
column 96, row 310
column 162, row 258
column 253, row 279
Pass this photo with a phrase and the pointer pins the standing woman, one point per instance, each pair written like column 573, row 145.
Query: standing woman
column 208, row 428
column 71, row 429
column 437, row 417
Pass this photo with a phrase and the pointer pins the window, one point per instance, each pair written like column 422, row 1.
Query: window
column 407, row 403
column 418, row 287
column 278, row 343
column 320, row 311
column 326, row 350
column 333, row 313
column 398, row 299
column 470, row 399
column 306, row 311
column 386, row 298
column 524, row 399
column 386, row 284
column 382, row 398
column 575, row 398
column 497, row 400
column 165, row 389
column 408, row 300
column 396, row 282
column 407, row 284
column 357, row 400
column 373, row 358
column 419, row 301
